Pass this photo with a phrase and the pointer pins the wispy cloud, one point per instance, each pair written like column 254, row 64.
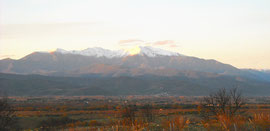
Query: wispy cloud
column 173, row 45
column 138, row 42
column 168, row 43
column 122, row 42
column 164, row 42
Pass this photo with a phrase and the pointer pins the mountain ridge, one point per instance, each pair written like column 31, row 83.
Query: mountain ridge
column 145, row 61
column 57, row 62
column 101, row 52
column 142, row 73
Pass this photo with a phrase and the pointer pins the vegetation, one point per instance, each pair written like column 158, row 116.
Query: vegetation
column 224, row 110
column 7, row 117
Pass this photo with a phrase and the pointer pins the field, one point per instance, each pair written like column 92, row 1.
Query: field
column 132, row 113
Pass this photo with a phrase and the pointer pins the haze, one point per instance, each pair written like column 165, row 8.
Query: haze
column 233, row 32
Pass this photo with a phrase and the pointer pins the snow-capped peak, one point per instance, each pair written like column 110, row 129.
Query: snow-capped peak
column 100, row 52
column 152, row 52
column 58, row 50
column 96, row 51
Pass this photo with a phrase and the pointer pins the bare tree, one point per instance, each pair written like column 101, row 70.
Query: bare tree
column 128, row 113
column 7, row 115
column 223, row 102
column 148, row 113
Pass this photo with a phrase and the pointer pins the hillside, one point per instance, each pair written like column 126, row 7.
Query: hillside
column 37, row 85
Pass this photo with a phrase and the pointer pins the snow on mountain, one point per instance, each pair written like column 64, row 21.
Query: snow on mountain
column 96, row 51
column 62, row 51
column 100, row 52
column 152, row 52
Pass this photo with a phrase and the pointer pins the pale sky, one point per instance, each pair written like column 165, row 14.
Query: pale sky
column 235, row 32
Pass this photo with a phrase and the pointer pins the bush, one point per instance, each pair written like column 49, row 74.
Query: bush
column 7, row 115
column 94, row 123
column 55, row 123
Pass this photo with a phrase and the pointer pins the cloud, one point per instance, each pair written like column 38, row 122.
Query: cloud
column 168, row 43
column 138, row 42
column 173, row 45
column 164, row 42
column 122, row 42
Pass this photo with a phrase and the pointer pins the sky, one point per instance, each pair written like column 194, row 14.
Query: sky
column 235, row 32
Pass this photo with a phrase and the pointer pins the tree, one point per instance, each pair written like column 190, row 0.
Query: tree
column 7, row 115
column 128, row 113
column 221, row 110
column 227, row 103
column 148, row 113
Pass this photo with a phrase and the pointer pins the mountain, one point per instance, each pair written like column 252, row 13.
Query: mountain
column 260, row 74
column 116, row 63
column 37, row 85
column 138, row 71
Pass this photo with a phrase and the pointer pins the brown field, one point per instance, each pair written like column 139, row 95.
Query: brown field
column 109, row 113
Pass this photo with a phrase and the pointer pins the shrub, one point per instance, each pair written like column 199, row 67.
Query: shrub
column 7, row 115
column 55, row 123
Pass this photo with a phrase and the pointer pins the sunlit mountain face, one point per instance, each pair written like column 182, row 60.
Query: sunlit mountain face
column 134, row 51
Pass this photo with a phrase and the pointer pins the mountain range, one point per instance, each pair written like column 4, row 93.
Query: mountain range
column 138, row 71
